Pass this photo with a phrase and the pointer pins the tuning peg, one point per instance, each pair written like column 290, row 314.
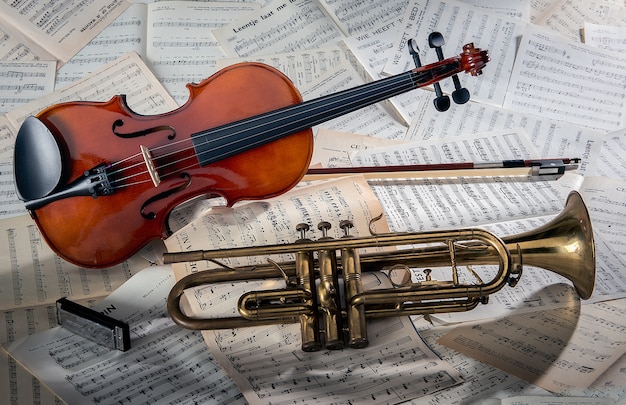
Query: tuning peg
column 442, row 102
column 460, row 95
column 414, row 51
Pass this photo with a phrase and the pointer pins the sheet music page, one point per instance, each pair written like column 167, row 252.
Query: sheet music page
column 303, row 68
column 489, row 385
column 7, row 139
column 611, row 382
column 562, row 350
column 179, row 44
column 10, row 204
column 20, row 386
column 127, row 33
column 486, row 30
column 272, row 29
column 372, row 120
column 538, row 8
column 274, row 220
column 564, row 80
column 14, row 45
column 239, row 350
column 426, row 204
column 551, row 138
column 32, row 275
column 481, row 380
column 606, row 37
column 568, row 16
column 62, row 29
column 371, row 49
column 395, row 367
column 606, row 202
column 479, row 147
column 163, row 365
column 334, row 148
column 511, row 8
column 359, row 17
column 127, row 75
column 610, row 162
column 24, row 82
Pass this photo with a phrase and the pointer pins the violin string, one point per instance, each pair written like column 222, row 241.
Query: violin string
column 247, row 145
column 264, row 119
column 395, row 82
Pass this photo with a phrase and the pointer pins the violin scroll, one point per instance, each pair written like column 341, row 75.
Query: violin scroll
column 474, row 59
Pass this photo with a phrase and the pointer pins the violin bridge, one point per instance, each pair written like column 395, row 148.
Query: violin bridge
column 147, row 157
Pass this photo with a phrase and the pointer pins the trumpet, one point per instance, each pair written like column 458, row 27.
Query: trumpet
column 333, row 314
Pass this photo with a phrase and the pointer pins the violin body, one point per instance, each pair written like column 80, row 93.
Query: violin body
column 102, row 231
column 100, row 180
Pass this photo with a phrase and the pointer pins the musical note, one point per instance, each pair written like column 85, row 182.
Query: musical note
column 562, row 350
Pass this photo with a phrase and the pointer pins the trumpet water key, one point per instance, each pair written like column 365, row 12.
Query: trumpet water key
column 333, row 314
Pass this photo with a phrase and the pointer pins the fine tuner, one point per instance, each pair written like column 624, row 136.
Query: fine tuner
column 334, row 315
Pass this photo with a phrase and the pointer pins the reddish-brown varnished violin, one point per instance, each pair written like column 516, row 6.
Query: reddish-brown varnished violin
column 100, row 180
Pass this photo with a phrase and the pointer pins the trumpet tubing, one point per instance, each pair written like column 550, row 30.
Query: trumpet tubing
column 333, row 314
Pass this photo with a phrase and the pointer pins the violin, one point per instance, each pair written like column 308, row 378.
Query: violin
column 100, row 180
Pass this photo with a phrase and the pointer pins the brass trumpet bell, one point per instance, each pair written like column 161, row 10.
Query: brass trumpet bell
column 333, row 314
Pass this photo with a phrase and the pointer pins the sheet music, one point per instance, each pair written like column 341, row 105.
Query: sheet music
column 179, row 44
column 125, row 34
column 334, row 148
column 512, row 8
column 563, row 80
column 24, row 82
column 274, row 27
column 610, row 38
column 303, row 68
column 371, row 49
column 35, row 276
column 163, row 365
column 10, row 204
column 610, row 162
column 481, row 147
column 551, row 138
column 126, row 75
column 65, row 28
column 358, row 17
column 488, row 385
column 274, row 220
column 396, row 366
column 538, row 8
column 481, row 380
column 606, row 202
column 489, row 31
column 20, row 386
column 371, row 120
column 562, row 350
column 7, row 138
column 568, row 16
column 16, row 46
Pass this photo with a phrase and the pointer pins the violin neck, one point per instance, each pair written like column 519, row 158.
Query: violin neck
column 228, row 140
